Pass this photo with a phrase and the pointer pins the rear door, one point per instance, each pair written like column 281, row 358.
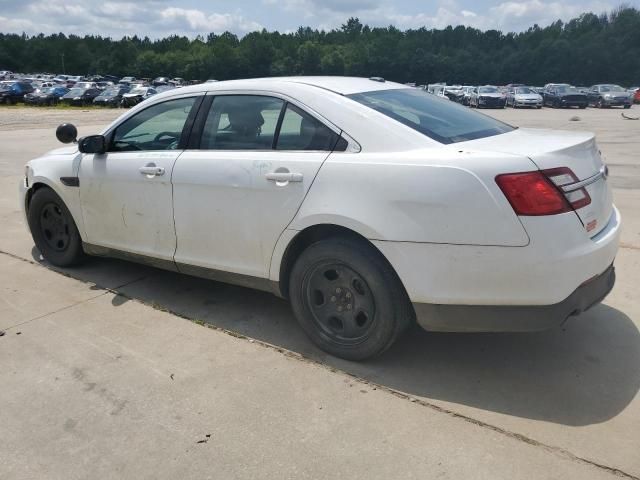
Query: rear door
column 239, row 188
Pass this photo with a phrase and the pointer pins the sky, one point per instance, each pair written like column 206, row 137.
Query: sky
column 159, row 18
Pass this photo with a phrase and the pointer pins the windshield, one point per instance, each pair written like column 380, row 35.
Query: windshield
column 76, row 91
column 112, row 92
column 138, row 91
column 487, row 90
column 611, row 88
column 444, row 121
column 524, row 91
column 565, row 88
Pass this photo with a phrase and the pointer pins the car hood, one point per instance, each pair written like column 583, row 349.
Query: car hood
column 574, row 93
column 66, row 150
column 491, row 95
column 527, row 96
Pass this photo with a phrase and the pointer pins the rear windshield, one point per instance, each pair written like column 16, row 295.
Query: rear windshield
column 437, row 118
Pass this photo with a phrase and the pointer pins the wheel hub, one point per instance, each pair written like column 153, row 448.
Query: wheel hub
column 342, row 299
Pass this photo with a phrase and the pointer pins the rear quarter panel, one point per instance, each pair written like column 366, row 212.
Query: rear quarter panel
column 440, row 195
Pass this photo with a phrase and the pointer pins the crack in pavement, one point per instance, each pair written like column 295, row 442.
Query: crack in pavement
column 552, row 449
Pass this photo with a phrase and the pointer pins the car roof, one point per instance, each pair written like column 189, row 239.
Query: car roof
column 340, row 85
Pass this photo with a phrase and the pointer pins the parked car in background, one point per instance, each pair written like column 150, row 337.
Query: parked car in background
column 14, row 92
column 137, row 95
column 46, row 96
column 158, row 81
column 466, row 94
column 104, row 84
column 111, row 97
column 487, row 96
column 636, row 94
column 85, row 84
column 563, row 95
column 127, row 80
column 80, row 96
column 524, row 97
column 609, row 95
column 5, row 74
column 454, row 92
column 72, row 80
column 480, row 226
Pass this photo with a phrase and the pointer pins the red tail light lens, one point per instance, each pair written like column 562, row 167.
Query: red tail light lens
column 532, row 193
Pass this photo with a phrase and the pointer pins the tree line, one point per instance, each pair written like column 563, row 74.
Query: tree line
column 583, row 51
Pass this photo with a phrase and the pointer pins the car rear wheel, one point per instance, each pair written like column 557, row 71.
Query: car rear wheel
column 348, row 299
column 599, row 103
column 53, row 229
column 627, row 106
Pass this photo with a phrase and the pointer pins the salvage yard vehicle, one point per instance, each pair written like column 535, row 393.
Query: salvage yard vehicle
column 80, row 96
column 46, row 96
column 450, row 218
column 562, row 95
column 14, row 92
column 137, row 95
column 111, row 97
column 608, row 95
column 487, row 96
column 524, row 97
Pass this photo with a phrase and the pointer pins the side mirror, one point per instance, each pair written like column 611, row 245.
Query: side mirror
column 66, row 133
column 92, row 144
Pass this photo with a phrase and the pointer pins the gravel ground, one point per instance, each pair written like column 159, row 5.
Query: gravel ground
column 16, row 118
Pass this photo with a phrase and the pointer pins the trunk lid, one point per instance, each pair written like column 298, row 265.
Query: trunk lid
column 549, row 149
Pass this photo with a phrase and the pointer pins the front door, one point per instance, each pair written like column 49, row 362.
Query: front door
column 125, row 194
column 235, row 195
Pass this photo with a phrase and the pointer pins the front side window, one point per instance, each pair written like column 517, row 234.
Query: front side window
column 155, row 128
column 300, row 131
column 444, row 121
column 241, row 122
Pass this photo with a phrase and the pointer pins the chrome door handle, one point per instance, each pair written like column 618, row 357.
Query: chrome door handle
column 284, row 177
column 151, row 170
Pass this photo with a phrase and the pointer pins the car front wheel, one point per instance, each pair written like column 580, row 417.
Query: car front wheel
column 348, row 299
column 53, row 229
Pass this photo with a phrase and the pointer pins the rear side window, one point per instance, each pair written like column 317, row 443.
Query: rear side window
column 241, row 122
column 437, row 118
column 300, row 131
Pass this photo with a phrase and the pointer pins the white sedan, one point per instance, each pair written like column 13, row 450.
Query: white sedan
column 368, row 204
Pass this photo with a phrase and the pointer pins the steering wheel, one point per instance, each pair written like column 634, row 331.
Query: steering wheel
column 173, row 135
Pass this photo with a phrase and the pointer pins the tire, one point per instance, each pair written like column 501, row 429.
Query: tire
column 582, row 107
column 348, row 299
column 53, row 229
column 626, row 107
column 599, row 103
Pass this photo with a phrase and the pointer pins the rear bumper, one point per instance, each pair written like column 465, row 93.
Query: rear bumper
column 501, row 318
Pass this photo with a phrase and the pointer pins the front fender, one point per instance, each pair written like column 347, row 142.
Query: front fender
column 47, row 171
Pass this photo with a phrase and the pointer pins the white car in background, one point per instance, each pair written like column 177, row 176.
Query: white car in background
column 524, row 97
column 368, row 204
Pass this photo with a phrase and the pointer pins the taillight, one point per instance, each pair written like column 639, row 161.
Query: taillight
column 531, row 193
column 540, row 193
column 564, row 177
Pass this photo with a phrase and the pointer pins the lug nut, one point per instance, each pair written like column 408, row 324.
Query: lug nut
column 349, row 307
column 333, row 299
column 339, row 309
column 338, row 290
column 348, row 294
